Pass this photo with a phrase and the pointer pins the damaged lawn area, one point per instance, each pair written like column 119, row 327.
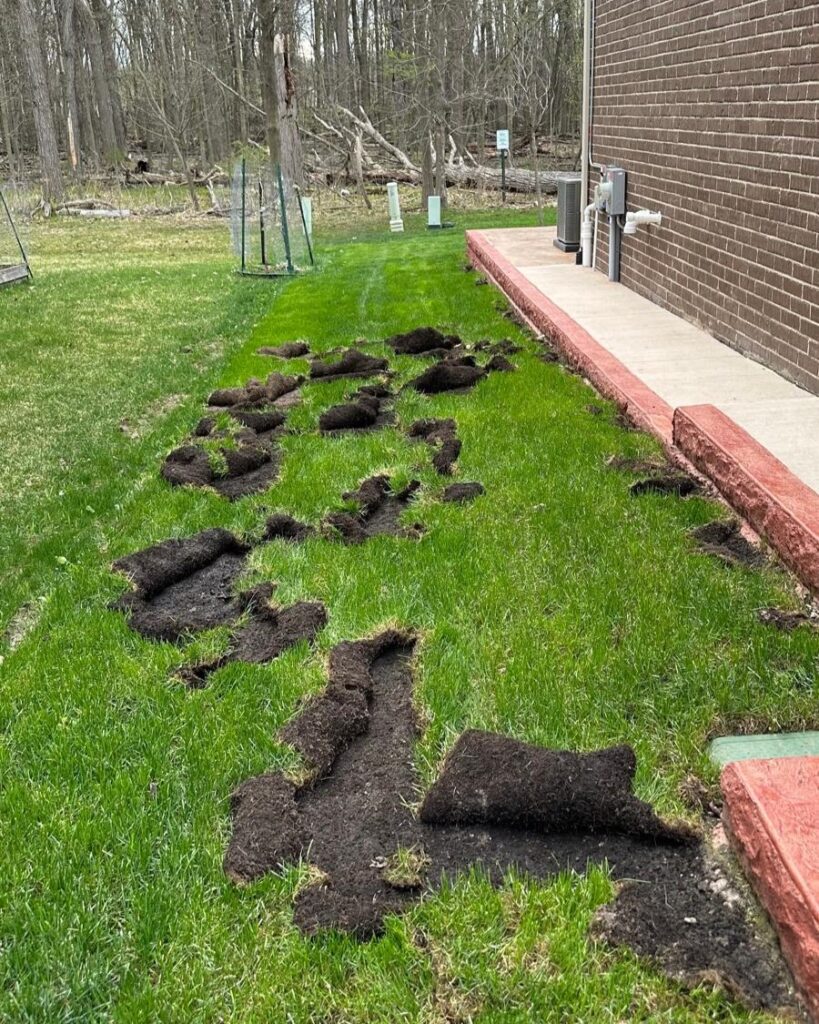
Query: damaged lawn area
column 559, row 606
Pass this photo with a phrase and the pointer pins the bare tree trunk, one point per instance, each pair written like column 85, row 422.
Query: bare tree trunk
column 102, row 89
column 267, row 73
column 290, row 154
column 67, row 38
column 43, row 119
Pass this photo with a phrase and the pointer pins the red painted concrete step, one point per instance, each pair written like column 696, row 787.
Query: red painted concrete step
column 772, row 815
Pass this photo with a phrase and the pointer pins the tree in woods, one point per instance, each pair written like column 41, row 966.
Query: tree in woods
column 357, row 89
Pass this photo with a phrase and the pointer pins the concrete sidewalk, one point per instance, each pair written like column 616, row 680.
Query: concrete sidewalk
column 753, row 433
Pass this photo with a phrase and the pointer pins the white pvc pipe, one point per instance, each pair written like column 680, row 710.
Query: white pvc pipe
column 638, row 217
column 585, row 155
column 587, row 235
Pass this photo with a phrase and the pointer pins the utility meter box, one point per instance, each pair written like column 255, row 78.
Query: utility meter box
column 616, row 202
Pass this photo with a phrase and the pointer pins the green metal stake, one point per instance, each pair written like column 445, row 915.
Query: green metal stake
column 261, row 224
column 285, row 232
column 503, row 175
column 244, row 167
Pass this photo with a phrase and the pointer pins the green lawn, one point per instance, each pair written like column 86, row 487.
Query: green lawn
column 557, row 608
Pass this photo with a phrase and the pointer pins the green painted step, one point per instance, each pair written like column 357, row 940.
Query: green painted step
column 725, row 749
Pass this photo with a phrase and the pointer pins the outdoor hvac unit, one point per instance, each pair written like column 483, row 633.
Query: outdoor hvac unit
column 568, row 214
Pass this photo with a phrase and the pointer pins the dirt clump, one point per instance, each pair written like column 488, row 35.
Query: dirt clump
column 280, row 525
column 443, row 437
column 725, row 541
column 182, row 586
column 640, row 466
column 353, row 820
column 463, row 492
column 365, row 411
column 288, row 350
column 268, row 632
column 499, row 364
column 672, row 483
column 447, row 375
column 504, row 347
column 254, row 393
column 540, row 789
column 379, row 512
column 786, row 621
column 247, row 469
column 353, row 363
column 423, row 341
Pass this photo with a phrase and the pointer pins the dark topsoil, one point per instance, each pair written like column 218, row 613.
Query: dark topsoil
column 423, row 341
column 182, row 586
column 443, row 437
column 366, row 410
column 786, row 621
column 494, row 806
column 724, row 540
column 269, row 631
column 463, row 492
column 379, row 511
column 448, row 375
column 352, row 363
column 667, row 483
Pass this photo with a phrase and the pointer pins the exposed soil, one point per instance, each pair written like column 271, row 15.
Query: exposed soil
column 269, row 631
column 352, row 819
column 287, row 528
column 367, row 410
column 548, row 355
column 289, row 350
column 724, row 540
column 423, row 341
column 786, row 621
column 442, row 435
column 380, row 509
column 505, row 347
column 181, row 586
column 353, row 363
column 463, row 492
column 499, row 364
column 447, row 375
column 261, row 422
column 594, row 410
column 248, row 469
column 254, row 393
column 672, row 483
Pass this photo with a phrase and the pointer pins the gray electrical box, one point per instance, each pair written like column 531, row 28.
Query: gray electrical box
column 568, row 214
column 616, row 202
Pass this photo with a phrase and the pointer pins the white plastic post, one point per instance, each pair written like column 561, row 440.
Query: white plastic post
column 396, row 224
column 433, row 211
column 307, row 208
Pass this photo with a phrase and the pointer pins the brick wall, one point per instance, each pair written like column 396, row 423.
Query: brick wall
column 712, row 106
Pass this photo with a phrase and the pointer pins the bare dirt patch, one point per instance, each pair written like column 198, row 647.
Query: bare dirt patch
column 182, row 586
column 254, row 393
column 442, row 435
column 283, row 526
column 268, row 632
column 787, row 621
column 379, row 512
column 725, row 541
column 354, row 823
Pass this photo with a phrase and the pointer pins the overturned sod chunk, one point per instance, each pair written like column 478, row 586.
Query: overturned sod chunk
column 289, row 350
column 447, row 376
column 500, row 363
column 422, row 341
column 248, row 469
column 442, row 435
column 352, row 363
column 268, row 832
column 724, row 540
column 379, row 512
column 463, row 492
column 182, row 586
column 254, row 393
column 286, row 527
column 366, row 410
column 496, row 780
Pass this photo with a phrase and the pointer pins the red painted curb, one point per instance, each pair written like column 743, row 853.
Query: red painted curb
column 607, row 373
column 772, row 815
column 776, row 503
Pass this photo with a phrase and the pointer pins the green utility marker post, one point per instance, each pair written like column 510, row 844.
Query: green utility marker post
column 285, row 232
column 502, row 146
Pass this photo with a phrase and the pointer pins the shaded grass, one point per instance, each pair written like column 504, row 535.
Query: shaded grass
column 556, row 608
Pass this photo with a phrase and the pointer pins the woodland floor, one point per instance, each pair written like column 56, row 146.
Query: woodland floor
column 557, row 608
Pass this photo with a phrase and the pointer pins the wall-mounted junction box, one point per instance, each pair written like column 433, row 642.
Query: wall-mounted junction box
column 616, row 201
